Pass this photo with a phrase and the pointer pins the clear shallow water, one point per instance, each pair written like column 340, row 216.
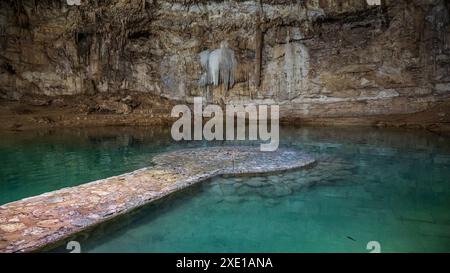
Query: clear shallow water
column 388, row 186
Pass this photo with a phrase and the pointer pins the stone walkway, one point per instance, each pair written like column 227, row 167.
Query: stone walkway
column 34, row 222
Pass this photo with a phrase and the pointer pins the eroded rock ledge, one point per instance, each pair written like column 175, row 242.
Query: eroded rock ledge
column 34, row 222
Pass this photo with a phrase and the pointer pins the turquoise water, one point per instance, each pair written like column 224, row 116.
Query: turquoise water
column 389, row 186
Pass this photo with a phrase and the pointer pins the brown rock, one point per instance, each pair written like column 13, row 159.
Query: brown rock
column 116, row 107
column 48, row 223
column 12, row 227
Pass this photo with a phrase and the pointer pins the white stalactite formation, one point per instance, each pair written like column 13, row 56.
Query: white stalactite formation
column 219, row 66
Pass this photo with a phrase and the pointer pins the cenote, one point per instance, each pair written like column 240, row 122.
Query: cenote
column 386, row 185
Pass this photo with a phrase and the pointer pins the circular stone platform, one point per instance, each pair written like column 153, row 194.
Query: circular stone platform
column 35, row 222
column 232, row 160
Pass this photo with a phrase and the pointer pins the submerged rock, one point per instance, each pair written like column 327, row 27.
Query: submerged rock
column 255, row 182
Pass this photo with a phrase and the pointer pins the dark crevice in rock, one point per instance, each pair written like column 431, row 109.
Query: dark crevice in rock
column 9, row 68
column 139, row 34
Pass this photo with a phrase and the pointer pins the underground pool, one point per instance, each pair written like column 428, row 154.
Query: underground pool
column 388, row 186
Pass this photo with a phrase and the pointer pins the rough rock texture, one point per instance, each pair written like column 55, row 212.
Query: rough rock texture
column 31, row 223
column 317, row 58
column 102, row 109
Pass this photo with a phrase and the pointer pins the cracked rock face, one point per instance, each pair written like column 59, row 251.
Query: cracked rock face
column 318, row 58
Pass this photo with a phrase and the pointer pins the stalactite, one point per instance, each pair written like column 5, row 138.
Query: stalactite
column 219, row 66
column 227, row 66
column 20, row 14
column 439, row 19
column 83, row 43
column 258, row 45
column 241, row 73
column 204, row 60
column 288, row 65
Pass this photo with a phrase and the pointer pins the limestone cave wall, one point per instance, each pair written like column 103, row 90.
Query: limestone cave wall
column 316, row 58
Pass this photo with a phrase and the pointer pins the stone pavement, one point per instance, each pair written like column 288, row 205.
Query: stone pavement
column 31, row 223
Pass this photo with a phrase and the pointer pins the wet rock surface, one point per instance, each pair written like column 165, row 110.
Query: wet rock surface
column 34, row 222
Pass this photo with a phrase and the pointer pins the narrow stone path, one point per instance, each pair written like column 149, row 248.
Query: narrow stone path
column 34, row 222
